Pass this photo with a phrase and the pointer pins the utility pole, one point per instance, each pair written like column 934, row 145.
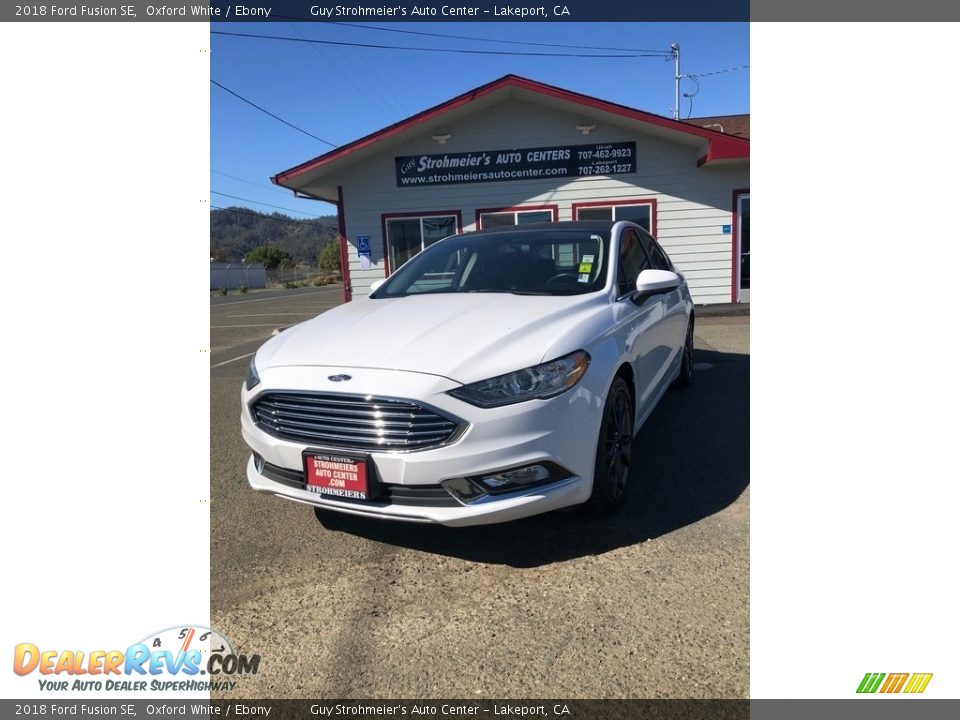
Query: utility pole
column 676, row 80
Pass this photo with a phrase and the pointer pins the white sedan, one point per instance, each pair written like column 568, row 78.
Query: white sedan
column 496, row 375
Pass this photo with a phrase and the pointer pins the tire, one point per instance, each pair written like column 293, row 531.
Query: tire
column 686, row 366
column 611, row 471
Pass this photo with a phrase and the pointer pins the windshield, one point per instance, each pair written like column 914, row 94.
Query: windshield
column 541, row 262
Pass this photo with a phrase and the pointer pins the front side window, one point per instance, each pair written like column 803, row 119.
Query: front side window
column 633, row 261
column 640, row 213
column 517, row 262
column 658, row 258
column 409, row 236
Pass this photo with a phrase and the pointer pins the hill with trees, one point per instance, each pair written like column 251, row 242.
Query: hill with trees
column 235, row 232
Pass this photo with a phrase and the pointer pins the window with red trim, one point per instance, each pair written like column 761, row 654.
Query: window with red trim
column 641, row 213
column 407, row 236
column 502, row 218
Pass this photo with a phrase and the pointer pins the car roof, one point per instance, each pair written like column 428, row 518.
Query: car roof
column 596, row 226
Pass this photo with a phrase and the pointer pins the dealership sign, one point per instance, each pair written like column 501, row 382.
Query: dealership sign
column 517, row 164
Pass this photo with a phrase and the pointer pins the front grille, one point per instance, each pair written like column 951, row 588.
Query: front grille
column 422, row 495
column 352, row 422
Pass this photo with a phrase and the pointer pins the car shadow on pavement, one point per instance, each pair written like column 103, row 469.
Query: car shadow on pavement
column 690, row 460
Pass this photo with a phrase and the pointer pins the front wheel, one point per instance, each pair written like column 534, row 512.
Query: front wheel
column 611, row 472
column 686, row 365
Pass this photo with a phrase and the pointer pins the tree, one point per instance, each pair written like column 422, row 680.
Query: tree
column 270, row 256
column 238, row 230
column 329, row 258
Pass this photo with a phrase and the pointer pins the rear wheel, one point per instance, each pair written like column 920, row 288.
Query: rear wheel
column 611, row 472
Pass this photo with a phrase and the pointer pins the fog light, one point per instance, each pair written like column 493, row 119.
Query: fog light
column 462, row 489
column 518, row 477
column 477, row 487
column 258, row 462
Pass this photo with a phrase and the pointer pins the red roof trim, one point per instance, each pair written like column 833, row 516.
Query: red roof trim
column 390, row 130
column 725, row 148
column 733, row 147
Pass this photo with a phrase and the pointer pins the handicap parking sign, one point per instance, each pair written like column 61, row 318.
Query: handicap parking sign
column 363, row 245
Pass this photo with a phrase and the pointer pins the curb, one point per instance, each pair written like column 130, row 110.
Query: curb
column 723, row 310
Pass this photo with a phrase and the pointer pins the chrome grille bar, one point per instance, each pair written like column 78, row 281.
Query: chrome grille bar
column 352, row 422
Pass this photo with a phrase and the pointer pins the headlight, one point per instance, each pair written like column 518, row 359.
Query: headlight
column 540, row 381
column 253, row 378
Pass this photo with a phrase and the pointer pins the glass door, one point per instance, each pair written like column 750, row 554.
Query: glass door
column 743, row 251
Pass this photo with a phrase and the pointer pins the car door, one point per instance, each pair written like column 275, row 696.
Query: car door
column 674, row 307
column 640, row 321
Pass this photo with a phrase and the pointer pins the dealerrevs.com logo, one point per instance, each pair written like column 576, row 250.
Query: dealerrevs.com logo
column 182, row 659
column 911, row 683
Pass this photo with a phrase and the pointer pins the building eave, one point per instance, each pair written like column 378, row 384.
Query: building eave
column 718, row 146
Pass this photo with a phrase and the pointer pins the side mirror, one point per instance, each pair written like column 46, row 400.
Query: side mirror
column 657, row 281
column 375, row 285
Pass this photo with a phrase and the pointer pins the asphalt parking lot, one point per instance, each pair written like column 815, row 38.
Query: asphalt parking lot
column 651, row 603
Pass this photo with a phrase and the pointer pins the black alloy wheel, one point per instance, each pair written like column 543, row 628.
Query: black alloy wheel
column 611, row 474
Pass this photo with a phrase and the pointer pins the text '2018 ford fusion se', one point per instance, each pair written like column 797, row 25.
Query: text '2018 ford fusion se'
column 496, row 375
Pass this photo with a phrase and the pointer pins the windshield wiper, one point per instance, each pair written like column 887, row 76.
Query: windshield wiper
column 511, row 292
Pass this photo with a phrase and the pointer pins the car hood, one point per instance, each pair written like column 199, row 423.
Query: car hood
column 462, row 336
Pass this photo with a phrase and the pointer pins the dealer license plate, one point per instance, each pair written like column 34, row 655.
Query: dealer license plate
column 337, row 476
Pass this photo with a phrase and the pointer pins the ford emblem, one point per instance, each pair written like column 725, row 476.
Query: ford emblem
column 339, row 378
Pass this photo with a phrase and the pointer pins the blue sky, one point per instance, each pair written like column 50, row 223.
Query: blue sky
column 341, row 93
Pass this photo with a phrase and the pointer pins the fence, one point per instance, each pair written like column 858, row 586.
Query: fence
column 279, row 277
column 230, row 276
column 224, row 276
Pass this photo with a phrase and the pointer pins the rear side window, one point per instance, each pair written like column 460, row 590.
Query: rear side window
column 633, row 261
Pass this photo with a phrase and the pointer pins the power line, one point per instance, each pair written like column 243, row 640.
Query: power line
column 505, row 42
column 718, row 72
column 387, row 87
column 263, row 110
column 356, row 86
column 690, row 96
column 434, row 50
column 257, row 202
column 251, row 182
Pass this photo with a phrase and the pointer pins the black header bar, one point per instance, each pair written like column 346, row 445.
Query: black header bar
column 385, row 11
column 306, row 709
column 484, row 11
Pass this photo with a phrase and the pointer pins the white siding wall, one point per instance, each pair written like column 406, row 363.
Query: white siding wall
column 693, row 204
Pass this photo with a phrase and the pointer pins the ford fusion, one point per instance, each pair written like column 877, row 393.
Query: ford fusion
column 497, row 374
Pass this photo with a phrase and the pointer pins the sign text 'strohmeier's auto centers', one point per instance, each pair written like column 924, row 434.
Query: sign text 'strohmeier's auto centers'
column 517, row 164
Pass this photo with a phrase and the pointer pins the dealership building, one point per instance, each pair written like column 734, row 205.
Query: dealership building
column 517, row 151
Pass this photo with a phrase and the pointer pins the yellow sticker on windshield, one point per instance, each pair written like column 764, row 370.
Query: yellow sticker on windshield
column 585, row 267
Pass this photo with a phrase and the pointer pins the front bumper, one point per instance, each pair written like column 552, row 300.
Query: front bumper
column 491, row 509
column 562, row 430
